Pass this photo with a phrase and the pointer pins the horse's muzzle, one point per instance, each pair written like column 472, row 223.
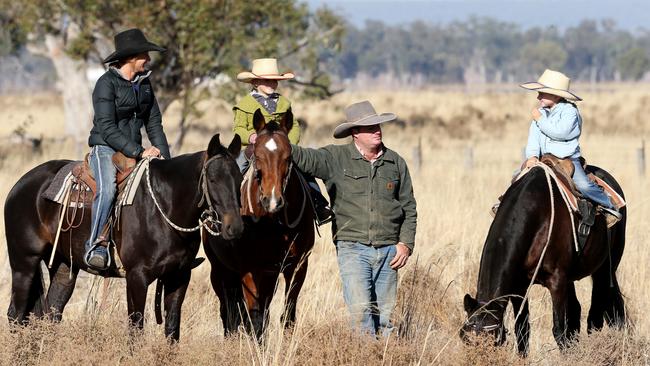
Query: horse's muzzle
column 232, row 226
column 470, row 332
column 272, row 204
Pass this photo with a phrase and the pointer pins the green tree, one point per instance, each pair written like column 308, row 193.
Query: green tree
column 537, row 57
column 634, row 64
column 204, row 38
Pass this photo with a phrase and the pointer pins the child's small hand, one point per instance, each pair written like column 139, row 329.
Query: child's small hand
column 252, row 139
column 536, row 114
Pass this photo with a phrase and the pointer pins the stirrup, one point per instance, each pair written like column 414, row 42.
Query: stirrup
column 612, row 216
column 89, row 257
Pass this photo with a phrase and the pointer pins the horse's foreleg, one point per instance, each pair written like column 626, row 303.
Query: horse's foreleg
column 258, row 289
column 62, row 283
column 522, row 325
column 175, row 289
column 136, row 297
column 227, row 286
column 294, row 278
column 566, row 312
column 574, row 312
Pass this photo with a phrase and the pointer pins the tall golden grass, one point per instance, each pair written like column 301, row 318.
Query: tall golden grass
column 470, row 144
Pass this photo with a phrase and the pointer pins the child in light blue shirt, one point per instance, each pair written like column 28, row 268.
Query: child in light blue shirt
column 556, row 128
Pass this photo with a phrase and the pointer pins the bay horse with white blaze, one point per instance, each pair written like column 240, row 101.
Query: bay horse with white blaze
column 519, row 248
column 186, row 187
column 277, row 239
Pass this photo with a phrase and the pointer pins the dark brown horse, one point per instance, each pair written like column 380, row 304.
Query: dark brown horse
column 150, row 248
column 512, row 251
column 277, row 239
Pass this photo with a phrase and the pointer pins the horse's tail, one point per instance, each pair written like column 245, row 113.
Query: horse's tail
column 157, row 301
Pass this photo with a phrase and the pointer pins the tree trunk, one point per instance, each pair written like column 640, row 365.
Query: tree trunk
column 76, row 92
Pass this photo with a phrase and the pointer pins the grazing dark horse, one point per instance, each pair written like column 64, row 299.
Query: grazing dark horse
column 277, row 239
column 150, row 248
column 511, row 254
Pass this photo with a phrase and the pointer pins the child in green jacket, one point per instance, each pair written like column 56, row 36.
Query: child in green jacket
column 264, row 78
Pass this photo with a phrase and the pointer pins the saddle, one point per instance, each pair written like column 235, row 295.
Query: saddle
column 587, row 210
column 564, row 169
column 123, row 164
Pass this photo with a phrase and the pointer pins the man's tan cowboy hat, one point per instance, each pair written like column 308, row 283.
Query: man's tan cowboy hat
column 264, row 68
column 552, row 82
column 130, row 43
column 361, row 114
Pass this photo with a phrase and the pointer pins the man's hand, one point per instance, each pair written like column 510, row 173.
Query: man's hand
column 402, row 255
column 151, row 151
column 536, row 114
column 252, row 138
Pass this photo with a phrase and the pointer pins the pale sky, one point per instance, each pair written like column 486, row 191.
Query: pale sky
column 628, row 14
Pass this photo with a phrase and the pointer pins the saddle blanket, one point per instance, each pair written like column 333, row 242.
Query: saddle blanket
column 64, row 180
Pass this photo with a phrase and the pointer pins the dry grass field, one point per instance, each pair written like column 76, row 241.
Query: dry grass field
column 471, row 141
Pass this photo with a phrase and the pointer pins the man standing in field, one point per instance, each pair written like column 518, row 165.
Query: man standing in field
column 375, row 213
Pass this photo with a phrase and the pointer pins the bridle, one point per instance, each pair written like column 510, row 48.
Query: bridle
column 255, row 175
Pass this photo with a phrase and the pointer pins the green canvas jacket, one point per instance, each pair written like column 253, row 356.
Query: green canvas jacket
column 373, row 202
column 245, row 109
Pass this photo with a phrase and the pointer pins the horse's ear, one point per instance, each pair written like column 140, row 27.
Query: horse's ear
column 235, row 146
column 258, row 120
column 470, row 304
column 214, row 146
column 287, row 121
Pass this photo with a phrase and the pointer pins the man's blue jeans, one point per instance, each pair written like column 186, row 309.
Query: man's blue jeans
column 369, row 285
column 588, row 188
column 104, row 173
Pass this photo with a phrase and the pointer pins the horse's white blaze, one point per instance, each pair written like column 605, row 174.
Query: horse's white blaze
column 274, row 200
column 271, row 145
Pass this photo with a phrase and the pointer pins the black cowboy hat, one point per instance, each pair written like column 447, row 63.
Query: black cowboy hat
column 131, row 42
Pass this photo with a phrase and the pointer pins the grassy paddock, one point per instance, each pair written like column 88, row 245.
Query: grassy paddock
column 470, row 144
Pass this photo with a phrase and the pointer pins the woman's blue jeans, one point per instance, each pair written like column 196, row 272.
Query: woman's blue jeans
column 369, row 285
column 104, row 172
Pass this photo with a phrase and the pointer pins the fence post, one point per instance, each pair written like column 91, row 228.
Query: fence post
column 469, row 158
column 640, row 153
column 417, row 156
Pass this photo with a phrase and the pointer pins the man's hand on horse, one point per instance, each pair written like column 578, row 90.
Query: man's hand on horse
column 402, row 255
column 252, row 138
column 150, row 151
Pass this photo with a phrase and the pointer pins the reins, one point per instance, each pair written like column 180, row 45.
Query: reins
column 208, row 217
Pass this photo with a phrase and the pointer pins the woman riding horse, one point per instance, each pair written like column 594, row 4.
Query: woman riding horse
column 157, row 237
column 124, row 101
